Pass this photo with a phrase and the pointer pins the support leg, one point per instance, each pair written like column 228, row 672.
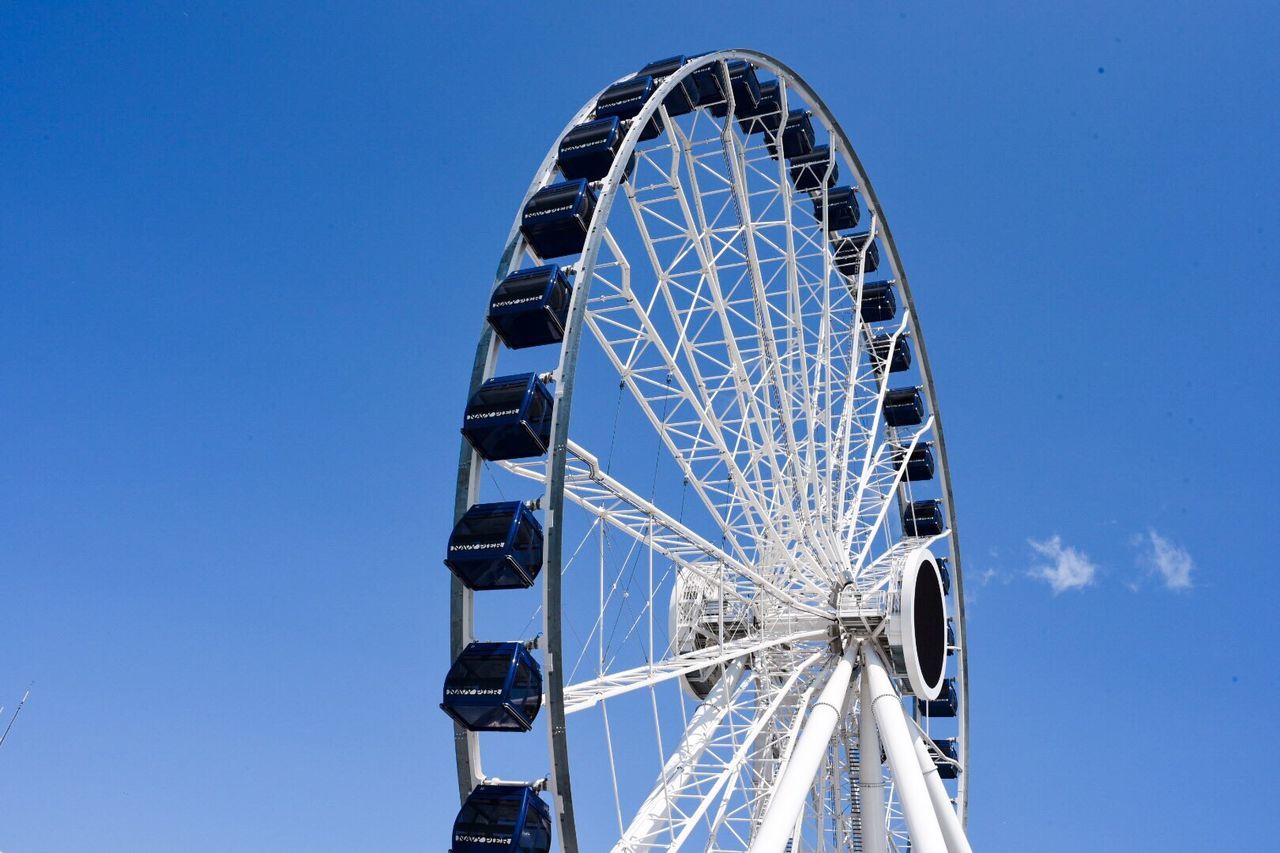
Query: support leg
column 811, row 748
column 870, row 776
column 908, row 781
column 952, row 831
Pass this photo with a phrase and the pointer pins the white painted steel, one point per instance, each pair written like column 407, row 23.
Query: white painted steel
column 653, row 818
column 787, row 802
column 870, row 774
column 763, row 400
column 891, row 721
column 952, row 831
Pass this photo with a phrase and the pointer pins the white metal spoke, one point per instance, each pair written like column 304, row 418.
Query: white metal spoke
column 586, row 694
column 750, row 376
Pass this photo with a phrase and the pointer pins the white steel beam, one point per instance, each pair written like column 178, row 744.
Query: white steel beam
column 952, row 831
column 586, row 694
column 908, row 780
column 806, row 757
column 870, row 775
column 653, row 819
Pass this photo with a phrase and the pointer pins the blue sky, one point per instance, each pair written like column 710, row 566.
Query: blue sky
column 244, row 254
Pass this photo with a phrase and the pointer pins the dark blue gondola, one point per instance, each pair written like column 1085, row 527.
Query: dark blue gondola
column 810, row 171
column 883, row 345
column 945, row 705
column 509, row 417
column 923, row 518
column 951, row 638
column 529, row 307
column 919, row 467
column 903, row 407
column 588, row 150
column 948, row 749
column 843, row 212
column 706, row 85
column 493, row 687
column 555, row 221
column 502, row 819
column 744, row 84
column 797, row 136
column 945, row 571
column 626, row 99
column 878, row 302
column 848, row 256
column 767, row 115
column 684, row 97
column 496, row 546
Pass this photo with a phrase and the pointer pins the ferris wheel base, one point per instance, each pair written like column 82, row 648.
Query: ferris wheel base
column 931, row 819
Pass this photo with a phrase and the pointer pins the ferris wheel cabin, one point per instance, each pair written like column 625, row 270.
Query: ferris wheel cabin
column 626, row 99
column 555, row 220
column 903, row 407
column 848, row 254
column 809, row 172
column 493, row 687
column 496, row 546
column 509, row 417
column 923, row 518
column 587, row 151
column 502, row 819
column 743, row 83
column 944, row 706
column 897, row 353
column 529, row 307
column 878, row 302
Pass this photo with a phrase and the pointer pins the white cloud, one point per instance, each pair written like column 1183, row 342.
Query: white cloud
column 1069, row 568
column 1172, row 564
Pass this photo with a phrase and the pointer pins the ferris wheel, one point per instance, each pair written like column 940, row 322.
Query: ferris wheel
column 706, row 580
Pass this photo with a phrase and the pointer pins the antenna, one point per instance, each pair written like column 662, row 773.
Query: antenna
column 13, row 719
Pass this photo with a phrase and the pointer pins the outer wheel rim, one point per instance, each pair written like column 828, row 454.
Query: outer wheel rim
column 486, row 353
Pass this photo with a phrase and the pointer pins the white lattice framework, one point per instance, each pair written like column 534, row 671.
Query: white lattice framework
column 708, row 294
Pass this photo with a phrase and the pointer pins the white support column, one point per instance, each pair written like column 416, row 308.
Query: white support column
column 811, row 747
column 908, row 781
column 870, row 776
column 952, row 831
column 653, row 817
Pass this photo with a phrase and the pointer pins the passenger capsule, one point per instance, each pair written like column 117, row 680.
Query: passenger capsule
column 810, row 171
column 767, row 115
column 920, row 467
column 496, row 546
column 744, row 84
column 843, row 212
column 903, row 407
column 529, row 307
column 588, row 150
column 945, row 705
column 684, row 97
column 923, row 518
column 555, row 220
column 897, row 354
column 493, row 687
column 509, row 417
column 625, row 99
column 848, row 254
column 707, row 85
column 797, row 136
column 945, row 571
column 949, row 751
column 502, row 819
column 878, row 302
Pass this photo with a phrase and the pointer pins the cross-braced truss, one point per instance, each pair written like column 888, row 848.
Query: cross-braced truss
column 739, row 509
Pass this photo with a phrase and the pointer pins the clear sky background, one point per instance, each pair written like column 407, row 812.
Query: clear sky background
column 245, row 251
